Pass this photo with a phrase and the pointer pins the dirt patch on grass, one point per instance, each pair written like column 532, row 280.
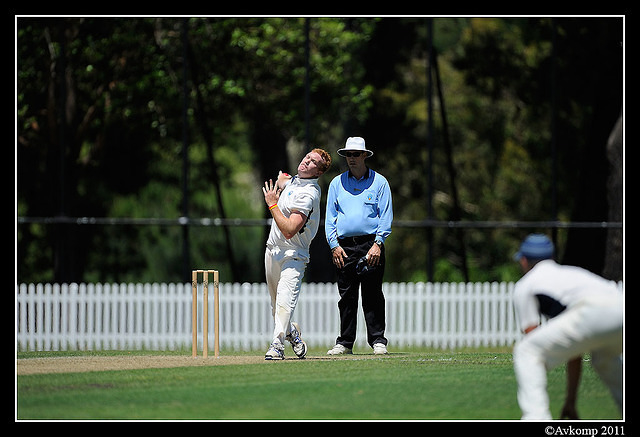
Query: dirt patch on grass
column 31, row 366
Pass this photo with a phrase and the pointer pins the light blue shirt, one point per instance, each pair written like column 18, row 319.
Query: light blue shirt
column 358, row 207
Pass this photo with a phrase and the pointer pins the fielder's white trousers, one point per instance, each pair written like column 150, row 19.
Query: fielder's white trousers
column 594, row 327
column 284, row 270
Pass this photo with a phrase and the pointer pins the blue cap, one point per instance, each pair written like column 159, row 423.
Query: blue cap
column 535, row 246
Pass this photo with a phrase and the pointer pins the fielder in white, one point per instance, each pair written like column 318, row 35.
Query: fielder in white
column 295, row 207
column 585, row 314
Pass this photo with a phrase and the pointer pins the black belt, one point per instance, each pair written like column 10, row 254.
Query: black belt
column 358, row 239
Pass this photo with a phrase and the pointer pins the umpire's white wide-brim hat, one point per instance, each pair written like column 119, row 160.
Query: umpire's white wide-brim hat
column 355, row 144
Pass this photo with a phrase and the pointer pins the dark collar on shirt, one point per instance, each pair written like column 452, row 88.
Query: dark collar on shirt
column 365, row 177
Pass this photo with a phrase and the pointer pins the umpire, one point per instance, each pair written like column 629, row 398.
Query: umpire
column 357, row 223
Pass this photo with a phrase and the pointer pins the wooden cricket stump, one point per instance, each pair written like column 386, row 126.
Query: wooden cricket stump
column 205, row 312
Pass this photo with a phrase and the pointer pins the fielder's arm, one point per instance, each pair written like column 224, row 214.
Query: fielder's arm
column 574, row 370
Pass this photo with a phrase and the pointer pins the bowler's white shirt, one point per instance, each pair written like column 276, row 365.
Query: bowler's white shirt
column 302, row 195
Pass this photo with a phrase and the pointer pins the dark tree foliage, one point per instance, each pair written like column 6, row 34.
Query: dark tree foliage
column 108, row 108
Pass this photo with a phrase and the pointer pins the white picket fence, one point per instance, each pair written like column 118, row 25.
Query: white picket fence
column 51, row 317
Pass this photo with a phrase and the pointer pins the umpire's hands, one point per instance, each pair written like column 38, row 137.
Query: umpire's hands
column 338, row 255
column 373, row 256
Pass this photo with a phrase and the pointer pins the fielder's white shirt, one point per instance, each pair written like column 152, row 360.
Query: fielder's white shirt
column 302, row 195
column 549, row 288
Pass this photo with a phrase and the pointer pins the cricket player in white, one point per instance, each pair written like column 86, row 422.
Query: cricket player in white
column 585, row 314
column 294, row 204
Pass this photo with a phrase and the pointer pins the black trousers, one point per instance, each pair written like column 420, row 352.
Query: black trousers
column 349, row 283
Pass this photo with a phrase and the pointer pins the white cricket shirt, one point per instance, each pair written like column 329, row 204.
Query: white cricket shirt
column 549, row 288
column 302, row 195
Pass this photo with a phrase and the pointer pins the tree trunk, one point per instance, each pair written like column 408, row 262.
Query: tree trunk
column 613, row 255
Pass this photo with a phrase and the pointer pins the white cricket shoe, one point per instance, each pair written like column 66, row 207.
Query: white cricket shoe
column 298, row 344
column 379, row 349
column 275, row 352
column 339, row 349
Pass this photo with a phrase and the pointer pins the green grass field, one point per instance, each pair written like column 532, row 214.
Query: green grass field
column 413, row 385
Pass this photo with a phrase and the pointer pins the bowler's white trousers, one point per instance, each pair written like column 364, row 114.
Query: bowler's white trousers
column 592, row 326
column 284, row 270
